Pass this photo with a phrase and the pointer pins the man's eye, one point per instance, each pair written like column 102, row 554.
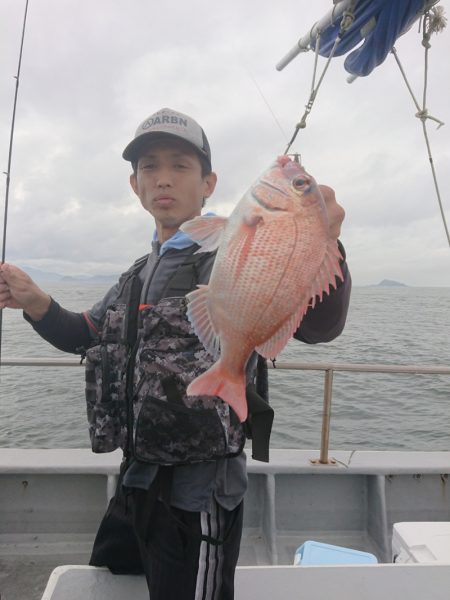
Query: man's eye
column 147, row 166
column 181, row 166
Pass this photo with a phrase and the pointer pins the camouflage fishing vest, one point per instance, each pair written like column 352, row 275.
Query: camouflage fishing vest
column 137, row 375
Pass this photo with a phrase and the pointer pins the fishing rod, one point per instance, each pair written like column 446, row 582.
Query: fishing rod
column 8, row 171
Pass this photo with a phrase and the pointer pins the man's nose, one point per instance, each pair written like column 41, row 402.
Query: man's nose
column 164, row 178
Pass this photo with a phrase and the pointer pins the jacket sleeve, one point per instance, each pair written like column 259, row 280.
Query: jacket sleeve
column 66, row 330
column 74, row 332
column 326, row 320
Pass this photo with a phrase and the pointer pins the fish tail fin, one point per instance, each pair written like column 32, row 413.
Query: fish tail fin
column 217, row 381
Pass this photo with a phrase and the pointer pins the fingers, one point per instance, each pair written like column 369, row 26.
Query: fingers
column 5, row 294
column 15, row 286
column 6, row 299
column 336, row 213
column 18, row 290
column 13, row 276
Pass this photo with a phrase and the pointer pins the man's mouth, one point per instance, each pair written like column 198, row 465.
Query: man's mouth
column 164, row 201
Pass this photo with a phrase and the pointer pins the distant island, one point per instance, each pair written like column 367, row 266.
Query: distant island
column 48, row 277
column 391, row 283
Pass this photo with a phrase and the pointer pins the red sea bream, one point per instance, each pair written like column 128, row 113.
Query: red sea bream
column 275, row 258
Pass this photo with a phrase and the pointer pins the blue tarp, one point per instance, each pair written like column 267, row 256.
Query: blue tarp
column 393, row 17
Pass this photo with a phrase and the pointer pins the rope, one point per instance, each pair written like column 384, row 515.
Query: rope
column 434, row 22
column 347, row 20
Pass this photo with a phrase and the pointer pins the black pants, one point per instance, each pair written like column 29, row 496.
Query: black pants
column 173, row 547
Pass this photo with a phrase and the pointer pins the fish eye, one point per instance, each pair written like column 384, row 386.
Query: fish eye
column 300, row 182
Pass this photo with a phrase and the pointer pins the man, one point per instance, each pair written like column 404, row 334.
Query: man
column 177, row 512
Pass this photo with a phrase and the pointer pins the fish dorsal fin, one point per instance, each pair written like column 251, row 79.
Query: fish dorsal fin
column 273, row 346
column 206, row 231
column 329, row 270
column 200, row 319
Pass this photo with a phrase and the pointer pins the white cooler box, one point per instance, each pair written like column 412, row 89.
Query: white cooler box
column 421, row 542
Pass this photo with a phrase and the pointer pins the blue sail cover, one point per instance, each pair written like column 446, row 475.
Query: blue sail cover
column 390, row 19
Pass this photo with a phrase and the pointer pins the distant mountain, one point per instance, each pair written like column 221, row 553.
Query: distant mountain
column 391, row 283
column 90, row 278
column 39, row 275
column 49, row 277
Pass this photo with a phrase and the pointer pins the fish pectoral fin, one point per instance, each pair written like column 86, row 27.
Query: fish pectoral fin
column 206, row 231
column 200, row 319
column 330, row 269
column 253, row 215
column 274, row 345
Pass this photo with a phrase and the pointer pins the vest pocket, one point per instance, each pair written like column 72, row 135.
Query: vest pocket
column 105, row 404
column 171, row 428
column 169, row 433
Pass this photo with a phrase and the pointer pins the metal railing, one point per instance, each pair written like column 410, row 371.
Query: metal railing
column 328, row 368
column 331, row 368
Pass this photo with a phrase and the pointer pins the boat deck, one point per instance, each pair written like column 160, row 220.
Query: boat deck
column 26, row 562
column 51, row 502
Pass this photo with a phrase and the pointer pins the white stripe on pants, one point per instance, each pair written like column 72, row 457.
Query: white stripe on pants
column 209, row 576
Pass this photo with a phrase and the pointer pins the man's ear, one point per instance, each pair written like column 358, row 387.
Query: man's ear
column 133, row 182
column 210, row 184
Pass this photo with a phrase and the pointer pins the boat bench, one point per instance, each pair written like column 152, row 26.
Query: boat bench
column 359, row 582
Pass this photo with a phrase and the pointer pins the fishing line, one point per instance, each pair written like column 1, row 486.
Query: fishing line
column 8, row 171
column 346, row 22
column 250, row 74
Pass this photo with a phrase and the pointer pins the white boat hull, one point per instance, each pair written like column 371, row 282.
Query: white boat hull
column 51, row 502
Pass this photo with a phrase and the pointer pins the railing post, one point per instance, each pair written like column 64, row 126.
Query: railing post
column 326, row 417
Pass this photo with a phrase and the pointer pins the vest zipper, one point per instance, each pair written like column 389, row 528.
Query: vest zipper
column 129, row 370
column 129, row 374
column 147, row 283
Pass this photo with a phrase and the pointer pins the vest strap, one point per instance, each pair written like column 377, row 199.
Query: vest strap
column 185, row 278
column 131, row 315
column 132, row 299
column 171, row 391
column 258, row 424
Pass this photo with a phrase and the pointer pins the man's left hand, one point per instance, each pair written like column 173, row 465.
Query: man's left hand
column 336, row 213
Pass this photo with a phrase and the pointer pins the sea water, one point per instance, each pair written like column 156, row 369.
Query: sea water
column 44, row 407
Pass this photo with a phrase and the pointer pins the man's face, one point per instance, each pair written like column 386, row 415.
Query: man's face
column 170, row 185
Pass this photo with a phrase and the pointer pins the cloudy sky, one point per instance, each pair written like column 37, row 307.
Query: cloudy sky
column 93, row 70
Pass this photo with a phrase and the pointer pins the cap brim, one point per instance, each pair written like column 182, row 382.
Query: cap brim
column 136, row 147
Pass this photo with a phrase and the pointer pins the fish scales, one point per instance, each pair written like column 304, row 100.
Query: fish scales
column 275, row 256
column 262, row 281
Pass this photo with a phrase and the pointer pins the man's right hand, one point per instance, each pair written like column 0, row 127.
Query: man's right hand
column 18, row 290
